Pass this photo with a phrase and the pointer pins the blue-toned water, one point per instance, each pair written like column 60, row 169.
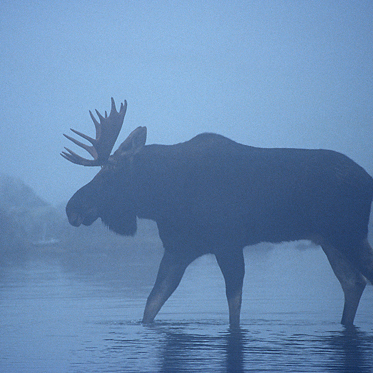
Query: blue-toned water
column 82, row 314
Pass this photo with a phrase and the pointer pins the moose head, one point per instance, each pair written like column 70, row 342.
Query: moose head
column 99, row 198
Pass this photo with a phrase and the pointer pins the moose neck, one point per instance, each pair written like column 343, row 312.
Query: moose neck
column 153, row 176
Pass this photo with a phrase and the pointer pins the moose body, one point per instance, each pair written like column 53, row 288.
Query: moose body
column 213, row 195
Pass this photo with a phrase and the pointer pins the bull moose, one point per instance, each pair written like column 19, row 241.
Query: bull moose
column 213, row 195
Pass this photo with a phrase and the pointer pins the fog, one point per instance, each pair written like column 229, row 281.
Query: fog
column 264, row 73
column 269, row 74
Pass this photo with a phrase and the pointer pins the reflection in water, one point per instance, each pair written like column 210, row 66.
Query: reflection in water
column 179, row 347
column 187, row 351
column 234, row 350
column 352, row 351
column 85, row 318
column 190, row 352
column 205, row 347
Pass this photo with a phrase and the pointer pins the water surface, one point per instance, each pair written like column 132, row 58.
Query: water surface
column 82, row 314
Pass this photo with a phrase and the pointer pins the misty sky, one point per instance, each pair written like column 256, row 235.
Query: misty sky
column 264, row 73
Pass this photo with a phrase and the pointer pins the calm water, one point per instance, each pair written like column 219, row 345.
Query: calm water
column 82, row 315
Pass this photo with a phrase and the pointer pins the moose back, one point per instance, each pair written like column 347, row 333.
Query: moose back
column 213, row 195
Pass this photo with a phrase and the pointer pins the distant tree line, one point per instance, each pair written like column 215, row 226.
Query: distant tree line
column 11, row 232
column 24, row 217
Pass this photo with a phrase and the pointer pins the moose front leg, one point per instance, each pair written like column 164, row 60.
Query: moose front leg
column 232, row 266
column 170, row 272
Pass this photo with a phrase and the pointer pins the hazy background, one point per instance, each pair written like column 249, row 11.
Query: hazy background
column 265, row 73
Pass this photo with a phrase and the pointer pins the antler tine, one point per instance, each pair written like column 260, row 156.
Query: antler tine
column 90, row 149
column 113, row 108
column 97, row 125
column 92, row 141
column 107, row 131
column 99, row 116
column 75, row 158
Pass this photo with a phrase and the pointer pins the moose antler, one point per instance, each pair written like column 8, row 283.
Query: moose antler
column 107, row 132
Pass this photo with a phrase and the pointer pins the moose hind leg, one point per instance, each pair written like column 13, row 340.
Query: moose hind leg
column 352, row 281
column 232, row 266
column 364, row 259
column 170, row 273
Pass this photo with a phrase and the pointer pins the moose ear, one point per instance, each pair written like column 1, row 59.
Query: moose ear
column 132, row 144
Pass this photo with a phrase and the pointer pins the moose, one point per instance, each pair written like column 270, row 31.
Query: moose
column 213, row 195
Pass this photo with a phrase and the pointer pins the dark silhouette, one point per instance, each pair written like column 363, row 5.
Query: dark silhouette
column 213, row 195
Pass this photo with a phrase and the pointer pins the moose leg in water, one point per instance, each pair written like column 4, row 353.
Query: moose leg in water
column 170, row 273
column 352, row 282
column 232, row 266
